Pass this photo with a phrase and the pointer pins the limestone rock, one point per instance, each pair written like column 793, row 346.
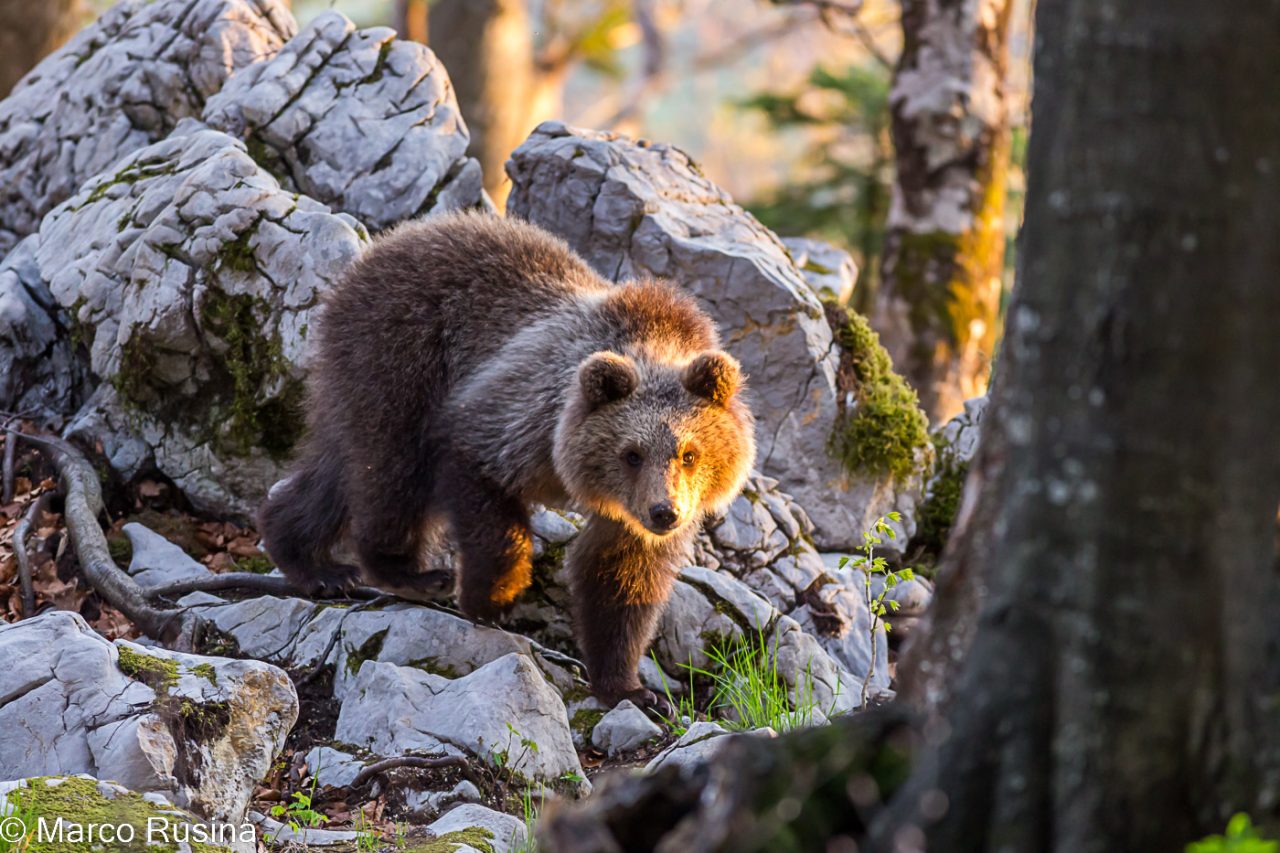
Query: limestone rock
column 39, row 372
column 156, row 560
column 89, row 803
column 392, row 710
column 356, row 119
column 200, row 730
column 189, row 277
column 828, row 269
column 624, row 729
column 697, row 746
column 638, row 208
column 475, row 828
column 333, row 767
column 280, row 834
column 430, row 803
column 120, row 84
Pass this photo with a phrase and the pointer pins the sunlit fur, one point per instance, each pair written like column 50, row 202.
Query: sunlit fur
column 469, row 366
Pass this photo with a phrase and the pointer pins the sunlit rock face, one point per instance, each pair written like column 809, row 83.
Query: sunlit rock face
column 121, row 84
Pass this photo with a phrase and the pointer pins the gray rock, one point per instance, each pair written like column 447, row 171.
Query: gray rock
column 828, row 269
column 505, row 833
column 392, row 710
column 638, row 208
column 426, row 804
column 190, row 277
column 156, row 560
column 118, row 85
column 279, row 834
column 147, row 814
column 200, row 730
column 697, row 746
column 623, row 729
column 333, row 767
column 356, row 119
column 39, row 372
column 960, row 435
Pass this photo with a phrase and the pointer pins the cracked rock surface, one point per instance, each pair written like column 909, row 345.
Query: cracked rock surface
column 199, row 730
column 635, row 209
column 499, row 709
column 358, row 120
column 120, row 84
column 187, row 277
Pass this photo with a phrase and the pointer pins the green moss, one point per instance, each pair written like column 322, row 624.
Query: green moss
column 121, row 549
column 129, row 175
column 885, row 429
column 79, row 802
column 427, row 664
column 473, row 836
column 238, row 255
column 816, row 268
column 937, row 512
column 369, row 650
column 253, row 360
column 584, row 720
column 159, row 674
column 206, row 671
column 259, row 564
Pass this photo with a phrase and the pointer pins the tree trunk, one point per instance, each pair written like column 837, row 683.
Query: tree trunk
column 944, row 244
column 1113, row 681
column 487, row 45
column 1122, row 688
column 31, row 31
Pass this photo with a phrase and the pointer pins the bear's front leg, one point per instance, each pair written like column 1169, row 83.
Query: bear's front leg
column 620, row 584
column 491, row 529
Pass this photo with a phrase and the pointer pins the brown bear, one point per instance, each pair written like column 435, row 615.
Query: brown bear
column 469, row 366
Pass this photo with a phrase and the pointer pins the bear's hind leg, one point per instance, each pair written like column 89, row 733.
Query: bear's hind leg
column 491, row 530
column 388, row 525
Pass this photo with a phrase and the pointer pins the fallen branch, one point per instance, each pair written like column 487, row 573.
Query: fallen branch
column 248, row 582
column 82, row 505
column 29, row 520
column 428, row 762
column 10, row 456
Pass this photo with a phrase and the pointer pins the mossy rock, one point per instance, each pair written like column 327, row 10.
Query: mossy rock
column 104, row 816
column 884, row 432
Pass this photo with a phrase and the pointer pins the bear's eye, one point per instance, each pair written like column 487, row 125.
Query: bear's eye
column 633, row 458
column 689, row 458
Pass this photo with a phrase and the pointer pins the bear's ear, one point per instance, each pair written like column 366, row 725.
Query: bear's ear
column 606, row 377
column 715, row 376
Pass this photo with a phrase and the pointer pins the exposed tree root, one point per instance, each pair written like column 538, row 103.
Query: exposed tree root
column 20, row 551
column 248, row 582
column 427, row 762
column 83, row 504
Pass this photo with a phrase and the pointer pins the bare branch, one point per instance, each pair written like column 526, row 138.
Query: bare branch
column 248, row 582
column 10, row 457
column 428, row 762
column 29, row 520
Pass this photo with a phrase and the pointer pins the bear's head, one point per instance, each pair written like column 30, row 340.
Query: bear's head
column 653, row 444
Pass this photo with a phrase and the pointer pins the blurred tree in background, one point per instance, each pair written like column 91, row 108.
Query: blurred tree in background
column 843, row 195
column 942, row 269
column 29, row 31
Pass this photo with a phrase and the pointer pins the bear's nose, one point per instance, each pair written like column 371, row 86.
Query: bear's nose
column 663, row 515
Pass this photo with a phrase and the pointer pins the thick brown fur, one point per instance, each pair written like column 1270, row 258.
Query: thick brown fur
column 469, row 366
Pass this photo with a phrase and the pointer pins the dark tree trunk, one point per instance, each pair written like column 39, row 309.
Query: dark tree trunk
column 1110, row 678
column 31, row 31
column 943, row 257
column 1122, row 687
